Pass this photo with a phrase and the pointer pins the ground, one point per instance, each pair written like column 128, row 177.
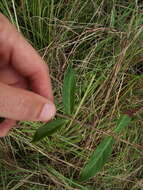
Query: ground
column 103, row 41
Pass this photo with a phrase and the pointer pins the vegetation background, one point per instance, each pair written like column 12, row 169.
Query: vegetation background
column 103, row 41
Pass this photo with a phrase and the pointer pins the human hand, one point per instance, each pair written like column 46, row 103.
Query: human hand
column 25, row 86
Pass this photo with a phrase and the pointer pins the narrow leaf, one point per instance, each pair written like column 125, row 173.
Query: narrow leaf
column 48, row 129
column 103, row 151
column 69, row 91
column 98, row 159
column 123, row 121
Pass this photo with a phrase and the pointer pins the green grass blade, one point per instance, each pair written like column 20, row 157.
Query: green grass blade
column 112, row 22
column 123, row 121
column 69, row 91
column 48, row 129
column 98, row 159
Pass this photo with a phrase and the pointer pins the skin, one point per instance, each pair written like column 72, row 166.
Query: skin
column 25, row 85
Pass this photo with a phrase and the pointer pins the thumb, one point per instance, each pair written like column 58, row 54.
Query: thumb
column 19, row 104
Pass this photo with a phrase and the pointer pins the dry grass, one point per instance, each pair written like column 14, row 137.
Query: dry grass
column 103, row 41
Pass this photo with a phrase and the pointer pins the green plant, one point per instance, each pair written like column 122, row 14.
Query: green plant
column 103, row 151
column 68, row 102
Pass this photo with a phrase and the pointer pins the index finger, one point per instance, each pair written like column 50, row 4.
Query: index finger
column 27, row 62
column 24, row 58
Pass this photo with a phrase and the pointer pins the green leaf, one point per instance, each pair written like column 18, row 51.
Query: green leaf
column 69, row 91
column 103, row 151
column 98, row 159
column 123, row 121
column 48, row 129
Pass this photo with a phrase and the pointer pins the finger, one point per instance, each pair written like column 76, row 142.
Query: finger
column 5, row 126
column 8, row 75
column 29, row 64
column 24, row 58
column 19, row 104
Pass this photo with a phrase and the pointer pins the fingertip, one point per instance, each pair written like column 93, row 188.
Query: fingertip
column 48, row 112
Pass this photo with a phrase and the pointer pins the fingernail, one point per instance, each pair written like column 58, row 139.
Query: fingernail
column 48, row 112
